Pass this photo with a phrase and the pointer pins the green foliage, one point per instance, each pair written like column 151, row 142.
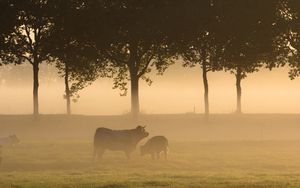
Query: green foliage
column 126, row 40
column 8, row 18
column 249, row 29
column 77, row 60
column 79, row 75
column 136, row 43
column 288, row 41
column 28, row 39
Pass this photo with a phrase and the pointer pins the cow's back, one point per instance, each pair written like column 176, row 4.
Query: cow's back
column 102, row 135
column 112, row 139
column 115, row 139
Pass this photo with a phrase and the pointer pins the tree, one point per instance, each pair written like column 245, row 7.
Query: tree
column 248, row 28
column 29, row 37
column 77, row 61
column 77, row 73
column 199, row 45
column 204, row 52
column 134, row 42
column 288, row 39
column 8, row 19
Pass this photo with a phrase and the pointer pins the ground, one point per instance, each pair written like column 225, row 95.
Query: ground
column 57, row 152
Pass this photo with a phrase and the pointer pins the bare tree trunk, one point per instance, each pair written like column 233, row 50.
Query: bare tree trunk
column 135, row 104
column 134, row 81
column 205, row 83
column 239, row 90
column 67, row 89
column 36, row 89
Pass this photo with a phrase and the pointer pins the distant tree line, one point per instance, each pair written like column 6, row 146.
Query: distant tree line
column 127, row 39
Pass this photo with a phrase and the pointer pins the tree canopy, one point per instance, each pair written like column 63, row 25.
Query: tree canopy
column 127, row 39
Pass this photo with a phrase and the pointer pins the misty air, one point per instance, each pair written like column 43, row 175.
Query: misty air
column 149, row 93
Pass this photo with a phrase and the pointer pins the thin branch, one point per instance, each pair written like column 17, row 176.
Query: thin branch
column 208, row 69
column 146, row 66
column 28, row 59
column 115, row 59
column 27, row 30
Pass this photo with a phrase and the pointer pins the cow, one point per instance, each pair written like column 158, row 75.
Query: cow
column 117, row 140
column 154, row 146
column 9, row 141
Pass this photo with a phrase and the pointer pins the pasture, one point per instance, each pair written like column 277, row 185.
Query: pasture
column 56, row 151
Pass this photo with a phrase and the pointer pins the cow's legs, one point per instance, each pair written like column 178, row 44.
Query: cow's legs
column 95, row 154
column 100, row 152
column 165, row 152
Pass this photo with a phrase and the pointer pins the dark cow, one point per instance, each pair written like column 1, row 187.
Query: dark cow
column 154, row 146
column 117, row 140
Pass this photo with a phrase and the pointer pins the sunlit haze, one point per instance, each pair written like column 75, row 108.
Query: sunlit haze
column 179, row 90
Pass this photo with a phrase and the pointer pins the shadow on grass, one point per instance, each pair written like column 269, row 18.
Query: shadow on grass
column 156, row 184
column 113, row 185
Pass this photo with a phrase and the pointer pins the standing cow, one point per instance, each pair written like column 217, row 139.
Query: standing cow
column 117, row 140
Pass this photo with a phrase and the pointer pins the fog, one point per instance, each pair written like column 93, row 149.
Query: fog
column 179, row 90
column 57, row 150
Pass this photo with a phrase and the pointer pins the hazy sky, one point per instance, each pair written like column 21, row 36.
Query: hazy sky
column 177, row 91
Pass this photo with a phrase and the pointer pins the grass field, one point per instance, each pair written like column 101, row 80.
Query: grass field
column 50, row 160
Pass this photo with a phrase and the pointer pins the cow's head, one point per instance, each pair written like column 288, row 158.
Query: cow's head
column 141, row 132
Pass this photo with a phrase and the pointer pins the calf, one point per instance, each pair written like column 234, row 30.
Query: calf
column 154, row 146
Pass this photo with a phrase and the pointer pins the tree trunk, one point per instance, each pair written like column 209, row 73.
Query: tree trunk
column 134, row 81
column 239, row 90
column 67, row 89
column 205, row 83
column 36, row 89
column 135, row 104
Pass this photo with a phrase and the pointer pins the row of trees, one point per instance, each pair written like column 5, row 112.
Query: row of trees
column 127, row 39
